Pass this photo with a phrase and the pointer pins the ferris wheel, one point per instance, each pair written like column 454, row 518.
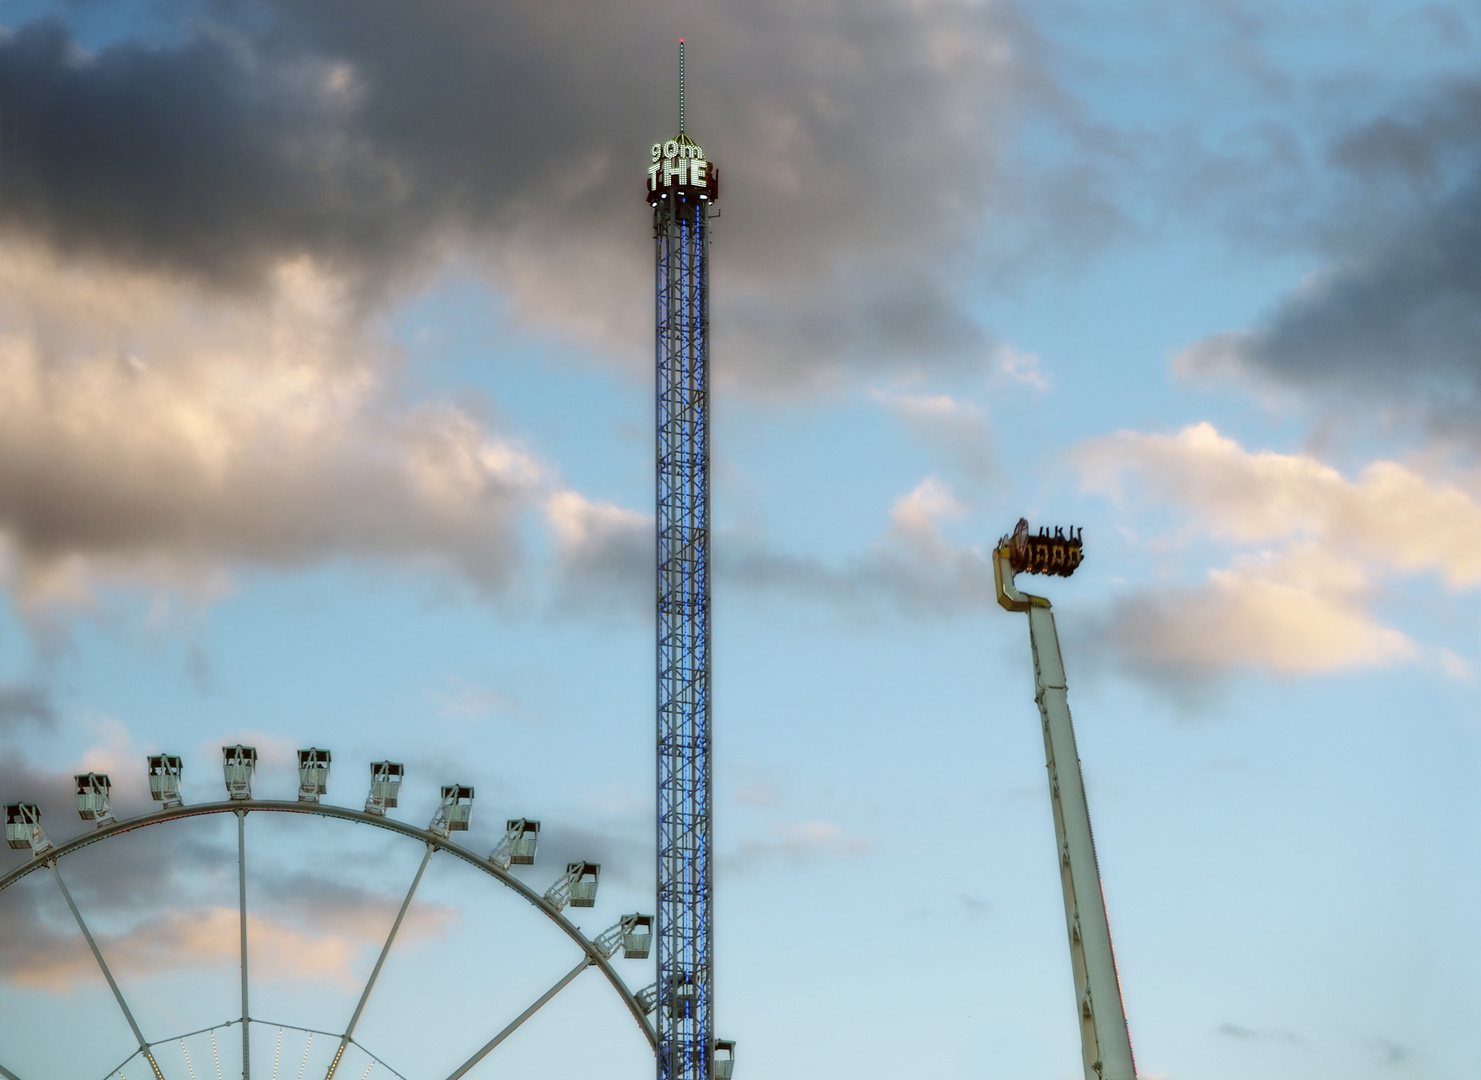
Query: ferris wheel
column 301, row 1050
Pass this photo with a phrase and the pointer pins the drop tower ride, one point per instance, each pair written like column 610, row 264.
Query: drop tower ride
column 682, row 187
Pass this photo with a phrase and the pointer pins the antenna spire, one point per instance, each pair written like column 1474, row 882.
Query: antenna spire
column 681, row 86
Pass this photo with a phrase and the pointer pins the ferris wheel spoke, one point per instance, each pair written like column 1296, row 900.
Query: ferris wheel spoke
column 107, row 974
column 586, row 962
column 375, row 972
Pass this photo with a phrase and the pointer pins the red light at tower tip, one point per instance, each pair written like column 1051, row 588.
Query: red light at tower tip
column 680, row 177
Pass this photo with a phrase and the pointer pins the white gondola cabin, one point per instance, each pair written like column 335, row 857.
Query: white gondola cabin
column 637, row 936
column 22, row 825
column 313, row 774
column 164, row 779
column 724, row 1059
column 577, row 886
column 93, row 801
column 584, row 883
column 385, row 786
column 239, row 764
column 455, row 811
column 517, row 848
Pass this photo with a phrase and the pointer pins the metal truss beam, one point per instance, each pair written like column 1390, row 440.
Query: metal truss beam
column 685, row 1010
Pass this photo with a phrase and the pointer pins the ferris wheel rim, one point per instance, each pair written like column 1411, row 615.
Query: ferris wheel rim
column 343, row 813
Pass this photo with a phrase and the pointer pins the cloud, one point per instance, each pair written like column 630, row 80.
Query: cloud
column 1391, row 516
column 916, row 517
column 1292, row 616
column 205, row 232
column 329, row 907
column 51, row 960
column 973, row 907
column 1393, row 1053
column 152, row 434
column 1249, row 1034
column 959, row 427
column 913, row 569
column 306, row 927
column 859, row 149
column 1391, row 320
column 758, row 794
column 1298, row 599
column 466, row 700
column 22, row 703
column 1022, row 367
column 622, row 845
column 605, row 552
column 801, row 844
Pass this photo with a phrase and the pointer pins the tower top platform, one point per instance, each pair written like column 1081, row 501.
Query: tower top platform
column 680, row 169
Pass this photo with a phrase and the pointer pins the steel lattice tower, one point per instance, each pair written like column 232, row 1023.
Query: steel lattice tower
column 682, row 186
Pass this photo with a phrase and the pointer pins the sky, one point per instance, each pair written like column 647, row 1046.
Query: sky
column 326, row 419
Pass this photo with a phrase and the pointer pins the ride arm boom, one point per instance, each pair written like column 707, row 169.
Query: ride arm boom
column 1104, row 1038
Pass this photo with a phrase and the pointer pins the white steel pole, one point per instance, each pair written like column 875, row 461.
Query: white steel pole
column 344, row 1041
column 1104, row 1039
column 107, row 974
column 520, row 1019
column 242, row 898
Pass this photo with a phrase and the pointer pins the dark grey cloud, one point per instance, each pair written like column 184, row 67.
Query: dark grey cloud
column 202, row 229
column 1248, row 1034
column 20, row 781
column 1395, row 318
column 25, row 703
column 606, row 559
column 858, row 145
column 1129, row 638
column 623, row 847
column 136, row 871
column 1393, row 1053
column 213, row 157
column 937, row 584
column 605, row 556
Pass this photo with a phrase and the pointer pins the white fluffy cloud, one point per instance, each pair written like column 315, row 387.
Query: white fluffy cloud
column 208, row 937
column 1314, row 545
column 1290, row 616
column 1390, row 516
column 155, row 435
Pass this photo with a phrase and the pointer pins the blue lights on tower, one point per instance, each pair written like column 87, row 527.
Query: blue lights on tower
column 682, row 187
